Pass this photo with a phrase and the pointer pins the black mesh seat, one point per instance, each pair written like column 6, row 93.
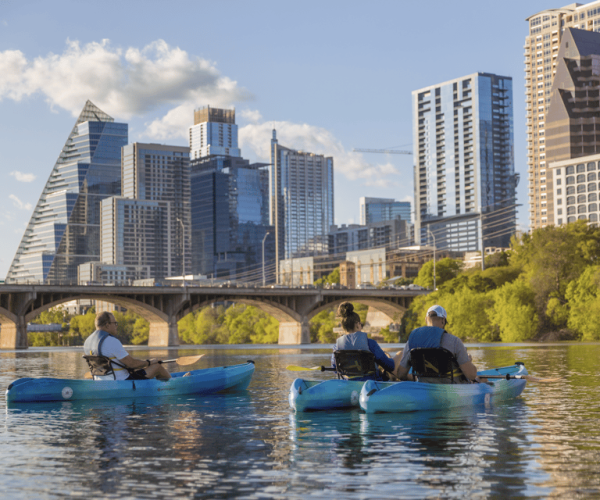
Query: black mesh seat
column 437, row 365
column 350, row 364
column 100, row 366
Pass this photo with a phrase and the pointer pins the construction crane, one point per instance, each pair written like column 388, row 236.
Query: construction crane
column 385, row 151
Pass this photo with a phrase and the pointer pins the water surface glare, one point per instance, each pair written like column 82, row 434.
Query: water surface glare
column 249, row 444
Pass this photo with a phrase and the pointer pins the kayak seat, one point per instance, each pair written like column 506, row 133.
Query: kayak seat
column 435, row 365
column 354, row 363
column 100, row 365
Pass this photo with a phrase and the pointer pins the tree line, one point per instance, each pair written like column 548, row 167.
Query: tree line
column 547, row 282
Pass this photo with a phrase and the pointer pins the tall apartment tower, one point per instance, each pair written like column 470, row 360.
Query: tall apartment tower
column 301, row 201
column 230, row 218
column 383, row 209
column 464, row 163
column 546, row 30
column 64, row 230
column 214, row 133
column 156, row 197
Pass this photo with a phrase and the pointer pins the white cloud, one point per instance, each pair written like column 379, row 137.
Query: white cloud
column 250, row 115
column 19, row 204
column 122, row 82
column 21, row 177
column 304, row 137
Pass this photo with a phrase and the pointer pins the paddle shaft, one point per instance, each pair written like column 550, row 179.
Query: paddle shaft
column 529, row 378
column 183, row 361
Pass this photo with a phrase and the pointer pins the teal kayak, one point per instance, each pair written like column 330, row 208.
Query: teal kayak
column 205, row 381
column 380, row 397
column 307, row 395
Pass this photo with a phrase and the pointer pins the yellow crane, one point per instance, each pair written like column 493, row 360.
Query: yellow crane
column 384, row 151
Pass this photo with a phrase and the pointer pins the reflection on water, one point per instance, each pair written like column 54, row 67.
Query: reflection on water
column 250, row 445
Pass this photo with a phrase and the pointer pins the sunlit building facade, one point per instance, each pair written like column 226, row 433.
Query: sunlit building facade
column 464, row 173
column 64, row 230
column 546, row 29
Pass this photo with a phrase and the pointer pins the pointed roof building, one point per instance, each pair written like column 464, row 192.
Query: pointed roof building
column 64, row 230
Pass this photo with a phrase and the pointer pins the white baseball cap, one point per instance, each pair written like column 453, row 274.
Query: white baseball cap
column 439, row 311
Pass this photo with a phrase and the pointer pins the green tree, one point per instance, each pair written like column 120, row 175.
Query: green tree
column 445, row 270
column 332, row 277
column 498, row 259
column 322, row 325
column 83, row 325
column 584, row 304
column 551, row 258
column 514, row 312
column 141, row 331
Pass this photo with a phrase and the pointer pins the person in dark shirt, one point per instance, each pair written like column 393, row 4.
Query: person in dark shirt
column 355, row 339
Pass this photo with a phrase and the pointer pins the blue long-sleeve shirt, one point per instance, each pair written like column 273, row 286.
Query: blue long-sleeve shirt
column 381, row 358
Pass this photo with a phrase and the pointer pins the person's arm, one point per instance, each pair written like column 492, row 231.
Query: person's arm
column 381, row 357
column 464, row 361
column 137, row 364
column 469, row 370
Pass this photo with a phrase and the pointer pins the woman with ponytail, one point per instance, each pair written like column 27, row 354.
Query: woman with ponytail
column 355, row 339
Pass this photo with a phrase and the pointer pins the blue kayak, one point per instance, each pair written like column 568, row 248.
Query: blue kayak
column 380, row 397
column 306, row 395
column 205, row 381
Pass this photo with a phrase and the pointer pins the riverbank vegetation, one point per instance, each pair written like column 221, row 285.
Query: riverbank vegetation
column 548, row 282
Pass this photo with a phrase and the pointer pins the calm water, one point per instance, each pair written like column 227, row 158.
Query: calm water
column 251, row 445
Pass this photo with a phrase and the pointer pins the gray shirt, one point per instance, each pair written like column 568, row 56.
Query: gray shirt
column 449, row 341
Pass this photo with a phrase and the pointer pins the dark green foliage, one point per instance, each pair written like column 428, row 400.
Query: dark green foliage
column 332, row 277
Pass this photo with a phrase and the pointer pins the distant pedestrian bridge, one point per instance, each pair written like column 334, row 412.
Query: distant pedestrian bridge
column 163, row 306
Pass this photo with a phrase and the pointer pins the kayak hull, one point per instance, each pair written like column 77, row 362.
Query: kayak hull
column 308, row 395
column 205, row 381
column 381, row 397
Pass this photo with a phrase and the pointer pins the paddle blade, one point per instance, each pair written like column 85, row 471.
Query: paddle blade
column 88, row 376
column 188, row 360
column 294, row 368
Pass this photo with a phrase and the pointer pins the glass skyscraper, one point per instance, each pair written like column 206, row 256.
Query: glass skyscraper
column 382, row 209
column 64, row 230
column 301, row 201
column 230, row 217
column 464, row 173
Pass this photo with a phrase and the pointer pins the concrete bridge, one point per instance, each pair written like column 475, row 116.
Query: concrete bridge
column 162, row 307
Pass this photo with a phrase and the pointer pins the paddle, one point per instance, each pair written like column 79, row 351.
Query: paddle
column 183, row 361
column 294, row 368
column 529, row 378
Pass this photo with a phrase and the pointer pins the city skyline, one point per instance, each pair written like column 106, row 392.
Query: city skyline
column 153, row 77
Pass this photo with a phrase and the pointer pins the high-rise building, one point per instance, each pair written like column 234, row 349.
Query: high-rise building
column 382, row 209
column 388, row 233
column 64, row 230
column 573, row 117
column 214, row 133
column 139, row 233
column 464, row 163
column 156, row 197
column 542, row 44
column 301, row 201
column 230, row 218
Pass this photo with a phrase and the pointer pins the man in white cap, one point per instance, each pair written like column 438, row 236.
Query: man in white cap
column 434, row 335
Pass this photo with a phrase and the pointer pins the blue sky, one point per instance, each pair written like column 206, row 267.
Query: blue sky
column 329, row 75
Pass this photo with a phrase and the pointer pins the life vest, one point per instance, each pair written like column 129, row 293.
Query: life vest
column 93, row 348
column 357, row 341
column 426, row 344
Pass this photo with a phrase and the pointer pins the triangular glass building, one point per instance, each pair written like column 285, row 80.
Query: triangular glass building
column 64, row 230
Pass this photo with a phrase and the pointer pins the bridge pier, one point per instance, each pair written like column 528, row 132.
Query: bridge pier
column 294, row 332
column 13, row 335
column 163, row 333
